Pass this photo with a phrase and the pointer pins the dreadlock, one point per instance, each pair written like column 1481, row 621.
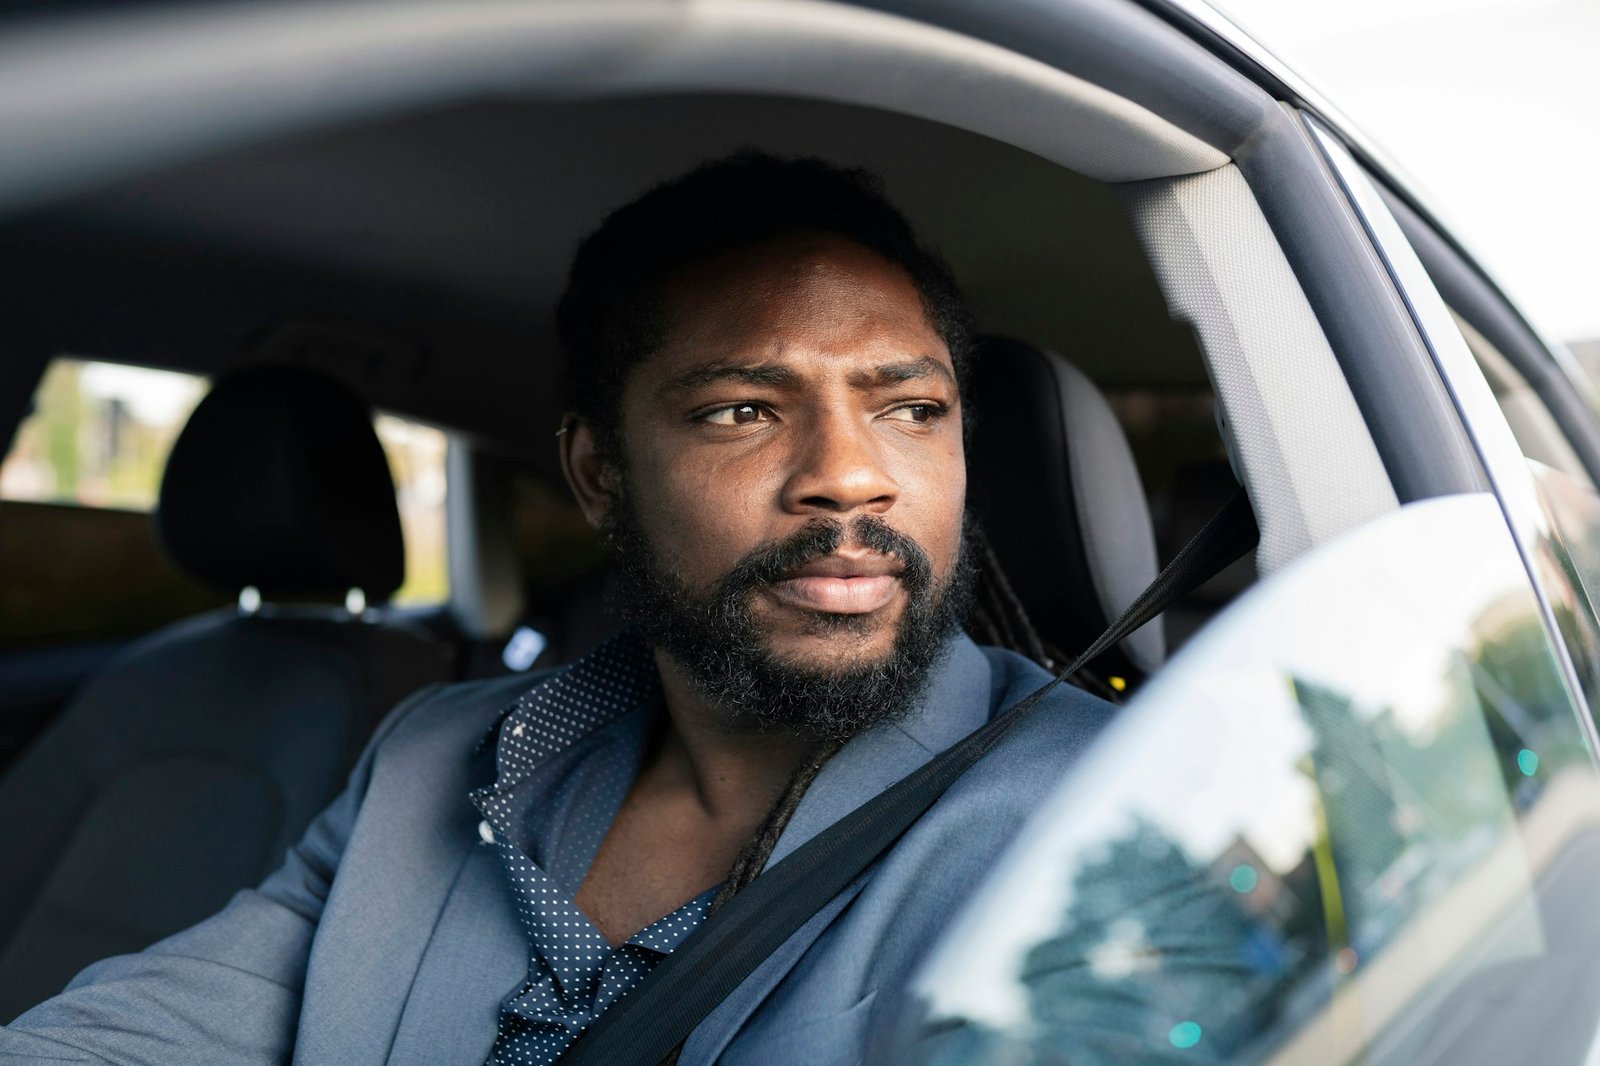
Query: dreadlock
column 752, row 858
column 999, row 618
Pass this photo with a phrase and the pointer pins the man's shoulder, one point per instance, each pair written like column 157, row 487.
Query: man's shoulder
column 1065, row 721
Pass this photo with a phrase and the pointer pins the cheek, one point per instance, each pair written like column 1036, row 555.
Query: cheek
column 933, row 504
column 702, row 514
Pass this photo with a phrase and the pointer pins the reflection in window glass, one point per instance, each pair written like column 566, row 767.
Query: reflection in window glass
column 417, row 462
column 98, row 435
column 1358, row 823
column 1568, row 561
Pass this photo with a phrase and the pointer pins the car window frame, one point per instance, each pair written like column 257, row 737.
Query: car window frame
column 1572, row 400
column 1512, row 481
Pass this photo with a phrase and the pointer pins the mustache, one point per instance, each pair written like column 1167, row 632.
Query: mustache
column 778, row 560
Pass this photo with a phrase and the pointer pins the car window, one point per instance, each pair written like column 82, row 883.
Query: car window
column 84, row 473
column 416, row 454
column 98, row 435
column 1536, row 429
column 1568, row 560
column 1186, row 471
column 1567, row 557
column 1357, row 821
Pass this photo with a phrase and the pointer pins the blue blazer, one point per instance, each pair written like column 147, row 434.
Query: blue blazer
column 388, row 935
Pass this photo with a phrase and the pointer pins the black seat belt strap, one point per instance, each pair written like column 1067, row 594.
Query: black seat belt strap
column 649, row 1024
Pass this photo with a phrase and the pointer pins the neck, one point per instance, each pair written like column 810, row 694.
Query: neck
column 735, row 772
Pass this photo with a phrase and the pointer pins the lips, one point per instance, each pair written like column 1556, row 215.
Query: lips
column 841, row 583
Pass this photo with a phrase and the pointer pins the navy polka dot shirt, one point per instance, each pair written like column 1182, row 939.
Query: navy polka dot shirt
column 575, row 740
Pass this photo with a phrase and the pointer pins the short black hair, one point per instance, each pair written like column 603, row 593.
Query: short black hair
column 609, row 318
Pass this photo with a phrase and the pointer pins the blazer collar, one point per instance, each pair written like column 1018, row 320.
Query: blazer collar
column 621, row 675
column 959, row 698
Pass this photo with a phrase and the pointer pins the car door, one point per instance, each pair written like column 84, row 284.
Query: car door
column 1543, row 467
column 1356, row 820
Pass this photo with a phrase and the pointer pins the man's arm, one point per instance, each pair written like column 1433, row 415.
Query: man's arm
column 226, row 990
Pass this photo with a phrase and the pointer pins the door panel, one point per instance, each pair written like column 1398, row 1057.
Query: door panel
column 1356, row 821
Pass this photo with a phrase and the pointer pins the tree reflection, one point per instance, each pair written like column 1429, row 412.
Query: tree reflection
column 1169, row 949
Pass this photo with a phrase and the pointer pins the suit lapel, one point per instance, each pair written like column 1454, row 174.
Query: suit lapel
column 958, row 700
column 403, row 858
column 476, row 934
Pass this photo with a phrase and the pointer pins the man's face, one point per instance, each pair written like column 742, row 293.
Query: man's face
column 800, row 430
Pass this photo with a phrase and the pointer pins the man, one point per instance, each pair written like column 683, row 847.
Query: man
column 765, row 370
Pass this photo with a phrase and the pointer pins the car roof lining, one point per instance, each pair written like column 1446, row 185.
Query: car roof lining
column 420, row 255
column 404, row 204
column 84, row 103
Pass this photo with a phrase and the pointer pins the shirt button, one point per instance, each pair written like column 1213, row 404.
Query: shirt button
column 486, row 832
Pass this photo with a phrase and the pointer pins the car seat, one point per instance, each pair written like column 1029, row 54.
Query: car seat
column 182, row 771
column 1053, row 483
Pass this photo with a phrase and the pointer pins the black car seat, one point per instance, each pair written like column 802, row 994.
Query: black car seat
column 1054, row 485
column 182, row 771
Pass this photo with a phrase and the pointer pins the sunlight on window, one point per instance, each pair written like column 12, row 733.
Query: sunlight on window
column 416, row 458
column 98, row 435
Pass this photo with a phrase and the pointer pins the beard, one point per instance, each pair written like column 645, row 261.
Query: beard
column 716, row 639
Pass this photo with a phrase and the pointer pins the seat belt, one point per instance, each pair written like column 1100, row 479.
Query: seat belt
column 649, row 1024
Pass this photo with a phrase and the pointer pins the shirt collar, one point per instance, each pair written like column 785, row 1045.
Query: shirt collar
column 556, row 713
column 621, row 675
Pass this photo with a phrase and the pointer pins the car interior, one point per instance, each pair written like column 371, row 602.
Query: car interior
column 169, row 678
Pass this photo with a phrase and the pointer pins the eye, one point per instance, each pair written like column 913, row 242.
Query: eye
column 916, row 412
column 741, row 414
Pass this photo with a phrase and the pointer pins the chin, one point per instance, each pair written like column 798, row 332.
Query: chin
column 835, row 644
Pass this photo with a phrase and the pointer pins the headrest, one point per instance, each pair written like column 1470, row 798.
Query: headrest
column 1054, row 484
column 278, row 481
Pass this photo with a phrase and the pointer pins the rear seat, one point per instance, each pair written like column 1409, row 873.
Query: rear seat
column 182, row 771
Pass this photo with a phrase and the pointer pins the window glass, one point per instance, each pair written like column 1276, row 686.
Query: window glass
column 1538, row 434
column 1184, row 465
column 1358, row 821
column 1568, row 564
column 98, row 435
column 417, row 462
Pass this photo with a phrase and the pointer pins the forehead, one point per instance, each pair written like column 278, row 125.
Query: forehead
column 803, row 296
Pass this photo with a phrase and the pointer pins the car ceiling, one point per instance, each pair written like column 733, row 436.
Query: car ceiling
column 420, row 255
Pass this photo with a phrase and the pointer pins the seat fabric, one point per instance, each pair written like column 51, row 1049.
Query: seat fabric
column 1053, row 482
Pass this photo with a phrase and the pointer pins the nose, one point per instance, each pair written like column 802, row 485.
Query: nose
column 838, row 468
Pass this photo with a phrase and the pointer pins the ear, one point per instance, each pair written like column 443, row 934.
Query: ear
column 591, row 479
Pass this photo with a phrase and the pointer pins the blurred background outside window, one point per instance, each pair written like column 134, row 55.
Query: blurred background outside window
column 1493, row 108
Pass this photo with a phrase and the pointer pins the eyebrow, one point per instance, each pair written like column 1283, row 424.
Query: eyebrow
column 781, row 376
column 745, row 374
column 897, row 373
